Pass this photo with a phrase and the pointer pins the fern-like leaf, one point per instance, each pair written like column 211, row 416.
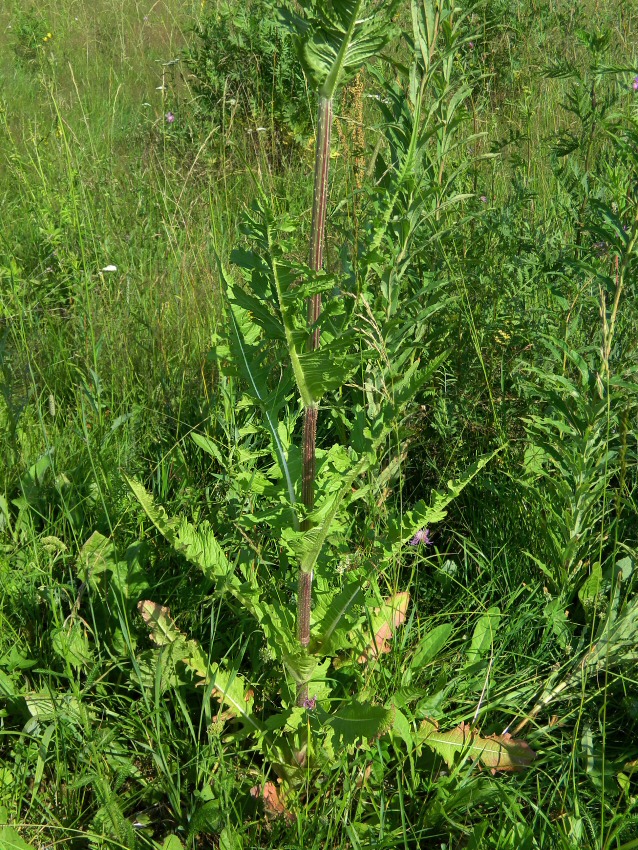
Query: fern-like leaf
column 198, row 545
column 226, row 685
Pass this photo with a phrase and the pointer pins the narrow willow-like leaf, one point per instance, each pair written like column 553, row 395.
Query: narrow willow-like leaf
column 405, row 171
column 616, row 644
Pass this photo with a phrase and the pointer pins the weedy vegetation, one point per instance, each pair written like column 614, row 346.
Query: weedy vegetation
column 319, row 435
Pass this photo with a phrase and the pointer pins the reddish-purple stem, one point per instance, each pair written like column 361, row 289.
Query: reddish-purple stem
column 317, row 238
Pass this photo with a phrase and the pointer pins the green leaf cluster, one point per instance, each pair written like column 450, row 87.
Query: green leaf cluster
column 335, row 38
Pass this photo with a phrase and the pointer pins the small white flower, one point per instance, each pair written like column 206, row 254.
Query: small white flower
column 109, row 268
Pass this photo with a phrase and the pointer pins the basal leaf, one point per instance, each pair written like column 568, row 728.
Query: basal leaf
column 70, row 643
column 272, row 798
column 496, row 752
column 230, row 688
column 199, row 545
column 358, row 721
column 226, row 686
column 401, row 727
column 159, row 621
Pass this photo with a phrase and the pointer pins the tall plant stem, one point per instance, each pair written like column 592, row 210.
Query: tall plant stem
column 319, row 206
column 317, row 239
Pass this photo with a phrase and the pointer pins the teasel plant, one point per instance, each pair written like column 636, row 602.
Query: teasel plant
column 334, row 39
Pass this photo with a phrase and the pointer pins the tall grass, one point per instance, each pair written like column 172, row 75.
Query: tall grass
column 519, row 274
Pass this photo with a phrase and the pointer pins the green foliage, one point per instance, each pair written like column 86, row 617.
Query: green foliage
column 335, row 38
column 231, row 40
column 275, row 301
column 11, row 839
column 497, row 752
column 30, row 37
column 479, row 293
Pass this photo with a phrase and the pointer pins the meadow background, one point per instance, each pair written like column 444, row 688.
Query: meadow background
column 133, row 137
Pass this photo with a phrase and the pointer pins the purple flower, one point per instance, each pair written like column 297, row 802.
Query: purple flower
column 635, row 83
column 471, row 45
column 310, row 703
column 483, row 199
column 422, row 536
column 169, row 117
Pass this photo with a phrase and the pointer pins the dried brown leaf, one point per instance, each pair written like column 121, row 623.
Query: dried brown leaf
column 510, row 754
column 273, row 805
column 385, row 622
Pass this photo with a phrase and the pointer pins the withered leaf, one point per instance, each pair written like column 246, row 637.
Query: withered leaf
column 385, row 621
column 273, row 805
column 496, row 752
column 158, row 619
